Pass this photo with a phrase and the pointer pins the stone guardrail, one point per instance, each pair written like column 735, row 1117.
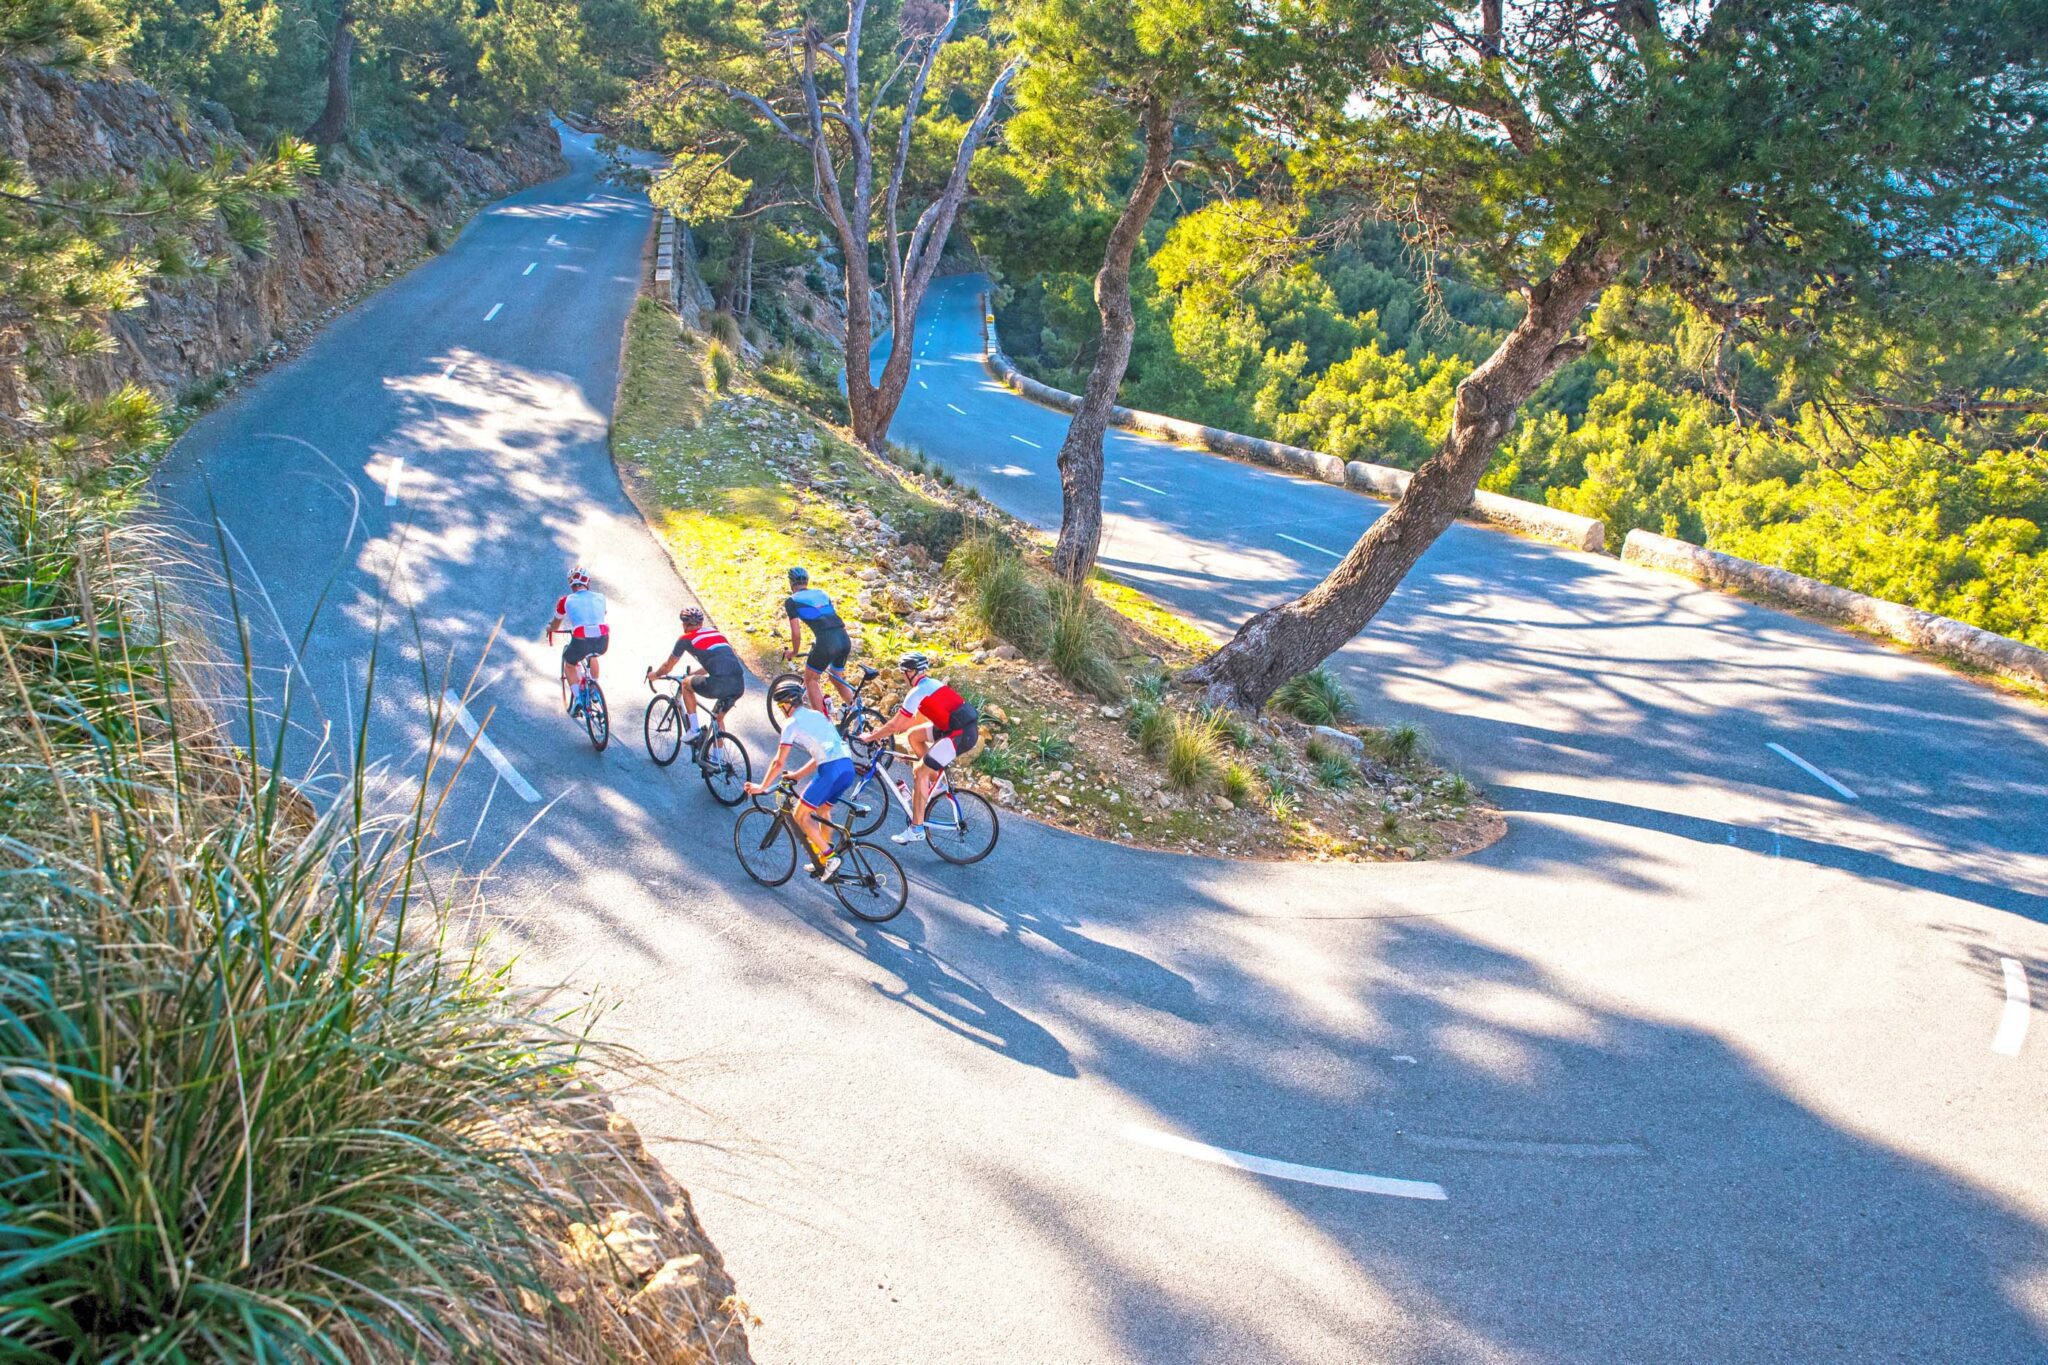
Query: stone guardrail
column 1924, row 630
column 1380, row 481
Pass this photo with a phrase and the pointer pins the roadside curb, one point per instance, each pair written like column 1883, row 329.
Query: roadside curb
column 1941, row 636
column 1379, row 481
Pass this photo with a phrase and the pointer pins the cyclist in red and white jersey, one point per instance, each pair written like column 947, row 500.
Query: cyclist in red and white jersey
column 581, row 612
column 940, row 726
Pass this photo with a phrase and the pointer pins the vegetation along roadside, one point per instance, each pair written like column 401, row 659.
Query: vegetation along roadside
column 740, row 483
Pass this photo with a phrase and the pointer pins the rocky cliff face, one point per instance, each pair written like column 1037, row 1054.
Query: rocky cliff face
column 340, row 236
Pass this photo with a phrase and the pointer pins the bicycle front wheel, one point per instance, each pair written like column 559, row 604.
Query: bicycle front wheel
column 768, row 700
column 596, row 718
column 664, row 730
column 961, row 826
column 871, row 884
column 856, row 723
column 766, row 848
column 867, row 805
column 726, row 769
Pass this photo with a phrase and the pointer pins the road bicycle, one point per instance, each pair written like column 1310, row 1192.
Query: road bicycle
column 853, row 719
column 585, row 698
column 961, row 827
column 720, row 757
column 869, row 883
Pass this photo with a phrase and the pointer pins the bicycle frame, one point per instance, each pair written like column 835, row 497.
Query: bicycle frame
column 883, row 763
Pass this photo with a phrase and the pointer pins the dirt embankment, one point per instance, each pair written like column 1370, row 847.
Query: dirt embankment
column 341, row 235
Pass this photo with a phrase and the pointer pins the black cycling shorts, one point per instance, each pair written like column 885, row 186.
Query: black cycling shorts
column 965, row 734
column 829, row 651
column 723, row 688
column 581, row 647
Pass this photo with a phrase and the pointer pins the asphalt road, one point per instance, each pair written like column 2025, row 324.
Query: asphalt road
column 1700, row 1057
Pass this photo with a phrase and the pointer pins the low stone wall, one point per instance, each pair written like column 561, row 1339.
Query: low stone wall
column 1380, row 481
column 1940, row 635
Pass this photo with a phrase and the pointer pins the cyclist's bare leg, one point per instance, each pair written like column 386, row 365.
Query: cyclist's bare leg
column 689, row 703
column 813, row 690
column 921, row 791
column 809, row 821
column 839, row 686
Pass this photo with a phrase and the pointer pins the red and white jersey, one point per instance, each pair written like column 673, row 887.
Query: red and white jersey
column 584, row 611
column 932, row 700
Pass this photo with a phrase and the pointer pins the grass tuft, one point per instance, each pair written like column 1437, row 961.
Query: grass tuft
column 1000, row 760
column 1314, row 697
column 1048, row 748
column 721, row 367
column 1079, row 641
column 1238, row 783
column 1193, row 745
column 1398, row 744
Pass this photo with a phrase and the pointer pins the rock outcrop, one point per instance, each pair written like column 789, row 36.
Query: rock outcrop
column 342, row 234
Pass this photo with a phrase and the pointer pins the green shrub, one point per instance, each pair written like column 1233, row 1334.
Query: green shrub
column 1336, row 771
column 1048, row 748
column 977, row 553
column 1398, row 744
column 721, row 367
column 1008, row 604
column 1314, row 697
column 937, row 530
column 1239, row 785
column 1152, row 727
column 1079, row 643
column 1283, row 806
column 1233, row 727
column 1000, row 760
column 1192, row 745
column 1390, row 823
column 253, row 1103
column 1460, row 790
column 1152, row 685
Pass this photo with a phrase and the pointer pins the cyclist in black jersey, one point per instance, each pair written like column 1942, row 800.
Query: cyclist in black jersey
column 830, row 644
column 724, row 679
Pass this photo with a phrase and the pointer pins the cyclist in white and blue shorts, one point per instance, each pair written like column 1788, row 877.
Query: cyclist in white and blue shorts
column 827, row 775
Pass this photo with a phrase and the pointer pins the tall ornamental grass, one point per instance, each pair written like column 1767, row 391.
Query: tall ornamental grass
column 254, row 1104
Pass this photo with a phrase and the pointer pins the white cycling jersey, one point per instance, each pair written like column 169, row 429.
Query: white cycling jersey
column 584, row 610
column 810, row 731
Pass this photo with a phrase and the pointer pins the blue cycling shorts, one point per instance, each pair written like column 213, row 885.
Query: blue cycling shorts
column 830, row 781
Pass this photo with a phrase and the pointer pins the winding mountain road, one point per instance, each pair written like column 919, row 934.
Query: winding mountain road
column 1706, row 1060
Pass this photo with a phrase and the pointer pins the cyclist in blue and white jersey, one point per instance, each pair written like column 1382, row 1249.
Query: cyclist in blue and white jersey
column 830, row 644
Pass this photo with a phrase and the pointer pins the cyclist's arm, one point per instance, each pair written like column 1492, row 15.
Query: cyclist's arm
column 895, row 725
column 666, row 665
column 796, row 635
column 774, row 771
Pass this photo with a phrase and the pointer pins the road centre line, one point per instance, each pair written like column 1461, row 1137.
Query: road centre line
column 489, row 750
column 1438, row 1142
column 1782, row 752
column 922, row 385
column 1285, row 1170
column 1033, row 444
column 2012, row 1024
column 962, row 411
column 494, row 311
column 1309, row 544
column 529, row 269
column 1146, row 486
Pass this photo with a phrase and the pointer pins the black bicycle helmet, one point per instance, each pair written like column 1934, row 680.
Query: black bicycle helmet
column 799, row 576
column 915, row 662
column 691, row 617
column 790, row 694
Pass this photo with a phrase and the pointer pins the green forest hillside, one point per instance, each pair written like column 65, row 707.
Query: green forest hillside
column 1667, row 423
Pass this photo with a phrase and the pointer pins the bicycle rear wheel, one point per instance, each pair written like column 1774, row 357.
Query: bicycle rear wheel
column 596, row 718
column 871, row 884
column 766, row 848
column 726, row 769
column 961, row 826
column 856, row 723
column 867, row 805
column 768, row 700
column 664, row 730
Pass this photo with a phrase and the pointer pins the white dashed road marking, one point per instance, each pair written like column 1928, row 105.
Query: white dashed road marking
column 529, row 269
column 1782, row 752
column 922, row 385
column 2012, row 1025
column 494, row 311
column 453, row 366
column 392, row 474
column 1146, row 486
column 958, row 409
column 1033, row 444
column 1308, row 545
column 1286, row 1170
column 489, row 750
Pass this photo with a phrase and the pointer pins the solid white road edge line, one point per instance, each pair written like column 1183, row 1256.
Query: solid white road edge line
column 391, row 478
column 494, row 311
column 956, row 408
column 1033, row 444
column 1146, row 486
column 1782, row 752
column 1308, row 544
column 2012, row 1025
column 1285, row 1170
column 529, row 269
column 489, row 750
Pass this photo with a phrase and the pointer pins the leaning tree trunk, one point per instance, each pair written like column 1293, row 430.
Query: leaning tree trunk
column 1291, row 638
column 332, row 125
column 1080, row 459
column 739, row 268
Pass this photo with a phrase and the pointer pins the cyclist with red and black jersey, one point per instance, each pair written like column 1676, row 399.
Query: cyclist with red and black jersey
column 724, row 679
column 582, row 613
column 940, row 726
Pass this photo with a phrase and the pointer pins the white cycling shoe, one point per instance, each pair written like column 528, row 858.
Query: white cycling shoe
column 913, row 835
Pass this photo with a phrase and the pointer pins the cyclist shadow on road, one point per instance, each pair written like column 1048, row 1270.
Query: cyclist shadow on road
column 939, row 990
